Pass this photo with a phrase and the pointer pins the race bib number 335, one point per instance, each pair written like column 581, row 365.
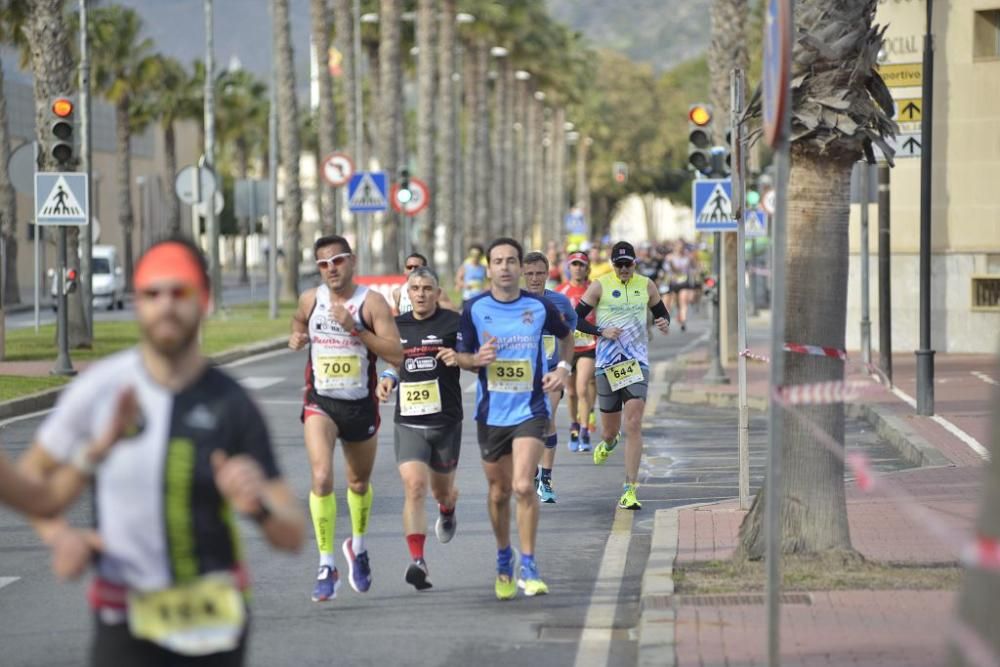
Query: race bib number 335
column 509, row 375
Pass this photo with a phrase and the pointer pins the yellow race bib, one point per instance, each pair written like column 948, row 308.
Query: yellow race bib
column 550, row 345
column 623, row 374
column 509, row 375
column 419, row 398
column 338, row 371
column 581, row 339
column 202, row 617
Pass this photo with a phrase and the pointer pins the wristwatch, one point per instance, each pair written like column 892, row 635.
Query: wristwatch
column 566, row 366
column 82, row 462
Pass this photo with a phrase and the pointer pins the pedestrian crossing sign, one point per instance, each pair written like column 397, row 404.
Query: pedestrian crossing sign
column 756, row 224
column 368, row 192
column 712, row 200
column 61, row 198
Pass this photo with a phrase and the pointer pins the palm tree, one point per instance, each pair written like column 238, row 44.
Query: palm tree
column 124, row 67
column 13, row 16
column 446, row 137
column 427, row 14
column 242, row 112
column 390, row 77
column 177, row 97
column 326, row 120
column 288, row 139
column 52, row 66
column 840, row 106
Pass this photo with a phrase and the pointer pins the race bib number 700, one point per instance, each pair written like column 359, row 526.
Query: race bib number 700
column 338, row 371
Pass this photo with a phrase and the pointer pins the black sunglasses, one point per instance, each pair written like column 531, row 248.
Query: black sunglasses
column 623, row 264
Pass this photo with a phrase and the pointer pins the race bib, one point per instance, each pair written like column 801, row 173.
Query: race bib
column 623, row 374
column 419, row 398
column 509, row 375
column 550, row 345
column 338, row 371
column 199, row 618
column 581, row 339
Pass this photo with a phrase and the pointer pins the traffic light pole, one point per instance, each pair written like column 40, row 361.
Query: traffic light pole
column 87, row 233
column 63, row 364
column 737, row 83
column 715, row 374
column 925, row 355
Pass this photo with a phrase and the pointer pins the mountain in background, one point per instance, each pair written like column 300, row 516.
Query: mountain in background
column 662, row 33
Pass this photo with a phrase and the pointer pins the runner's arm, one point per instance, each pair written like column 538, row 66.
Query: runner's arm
column 283, row 522
column 460, row 278
column 656, row 305
column 445, row 301
column 467, row 343
column 40, row 497
column 396, row 293
column 300, row 320
column 380, row 334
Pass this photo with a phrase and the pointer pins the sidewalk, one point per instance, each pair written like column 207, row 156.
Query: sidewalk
column 848, row 627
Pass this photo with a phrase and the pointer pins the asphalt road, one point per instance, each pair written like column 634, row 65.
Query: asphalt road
column 592, row 561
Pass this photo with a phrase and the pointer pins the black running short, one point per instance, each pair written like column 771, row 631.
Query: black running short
column 588, row 354
column 356, row 421
column 438, row 447
column 496, row 442
column 114, row 645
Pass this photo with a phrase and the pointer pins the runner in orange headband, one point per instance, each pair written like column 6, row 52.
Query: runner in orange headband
column 174, row 260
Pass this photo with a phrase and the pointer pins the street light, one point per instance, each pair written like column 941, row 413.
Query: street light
column 499, row 52
column 569, row 126
column 465, row 18
column 370, row 17
column 522, row 75
column 539, row 95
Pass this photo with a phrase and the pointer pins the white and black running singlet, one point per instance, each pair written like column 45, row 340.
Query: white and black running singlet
column 340, row 366
column 158, row 511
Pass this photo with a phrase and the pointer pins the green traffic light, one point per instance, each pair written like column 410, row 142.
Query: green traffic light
column 753, row 197
column 404, row 196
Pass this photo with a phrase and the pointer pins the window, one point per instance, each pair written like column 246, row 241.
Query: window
column 986, row 293
column 986, row 35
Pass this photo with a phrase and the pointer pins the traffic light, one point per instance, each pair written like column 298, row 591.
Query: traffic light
column 727, row 153
column 404, row 195
column 753, row 198
column 710, row 289
column 620, row 172
column 60, row 146
column 71, row 281
column 700, row 137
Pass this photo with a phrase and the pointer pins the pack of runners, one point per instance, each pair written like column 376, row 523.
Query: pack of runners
column 161, row 417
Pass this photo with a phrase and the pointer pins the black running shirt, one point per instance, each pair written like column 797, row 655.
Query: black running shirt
column 422, row 340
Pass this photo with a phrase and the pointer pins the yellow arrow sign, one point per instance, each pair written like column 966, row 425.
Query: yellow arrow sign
column 909, row 109
column 902, row 75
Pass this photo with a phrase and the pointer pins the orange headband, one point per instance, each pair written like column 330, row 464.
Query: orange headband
column 174, row 261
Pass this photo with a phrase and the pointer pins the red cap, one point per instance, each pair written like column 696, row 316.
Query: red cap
column 578, row 257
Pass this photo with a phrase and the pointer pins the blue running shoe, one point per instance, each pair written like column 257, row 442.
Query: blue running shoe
column 358, row 570
column 543, row 488
column 585, row 440
column 574, row 437
column 327, row 583
column 529, row 580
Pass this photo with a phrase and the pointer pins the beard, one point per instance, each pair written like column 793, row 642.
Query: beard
column 175, row 344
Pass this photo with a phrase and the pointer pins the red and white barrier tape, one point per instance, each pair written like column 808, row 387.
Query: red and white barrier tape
column 826, row 393
column 816, row 351
column 860, row 467
column 759, row 270
column 755, row 357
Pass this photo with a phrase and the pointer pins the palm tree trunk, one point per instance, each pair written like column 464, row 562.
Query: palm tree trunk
column 814, row 510
column 52, row 67
column 343, row 21
column 581, row 194
column 498, row 195
column 729, row 50
column 390, row 68
column 243, row 168
column 427, row 11
column 505, row 156
column 979, row 598
column 484, row 171
column 8, row 208
column 472, row 232
column 445, row 191
column 123, row 136
column 170, row 164
column 559, row 175
column 547, row 171
column 326, row 125
column 532, row 148
column 288, row 139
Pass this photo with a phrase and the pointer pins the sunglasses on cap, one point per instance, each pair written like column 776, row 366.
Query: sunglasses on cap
column 336, row 260
column 176, row 292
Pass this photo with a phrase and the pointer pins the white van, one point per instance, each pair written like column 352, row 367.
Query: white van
column 108, row 281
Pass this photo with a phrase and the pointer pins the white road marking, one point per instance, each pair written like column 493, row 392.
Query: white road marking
column 595, row 640
column 971, row 442
column 259, row 382
column 7, row 581
column 985, row 378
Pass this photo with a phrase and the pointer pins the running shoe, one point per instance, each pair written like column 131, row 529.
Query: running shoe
column 358, row 570
column 684, row 326
column 592, row 421
column 445, row 527
column 327, row 583
column 628, row 500
column 506, row 584
column 545, row 492
column 417, row 575
column 604, row 449
column 574, row 437
column 529, row 580
column 585, row 440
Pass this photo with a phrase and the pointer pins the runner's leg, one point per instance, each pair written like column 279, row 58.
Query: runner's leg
column 320, row 436
column 499, row 477
column 527, row 452
column 633, row 438
column 544, row 474
column 359, row 461
column 586, row 390
column 414, row 475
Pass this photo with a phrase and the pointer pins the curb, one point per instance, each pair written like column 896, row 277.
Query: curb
column 657, row 639
column 46, row 399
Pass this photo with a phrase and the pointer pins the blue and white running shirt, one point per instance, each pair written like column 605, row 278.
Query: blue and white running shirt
column 509, row 391
column 564, row 306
